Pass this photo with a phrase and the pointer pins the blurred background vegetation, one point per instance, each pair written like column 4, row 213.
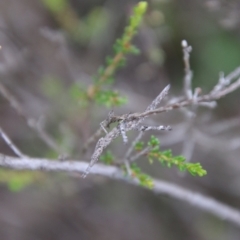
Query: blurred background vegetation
column 53, row 48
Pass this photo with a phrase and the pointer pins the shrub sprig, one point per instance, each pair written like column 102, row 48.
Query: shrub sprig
column 121, row 48
column 167, row 159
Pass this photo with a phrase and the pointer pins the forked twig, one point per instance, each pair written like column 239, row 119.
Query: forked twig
column 32, row 123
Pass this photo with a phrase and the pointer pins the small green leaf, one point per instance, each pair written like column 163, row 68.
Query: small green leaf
column 55, row 5
column 107, row 158
column 141, row 8
column 139, row 146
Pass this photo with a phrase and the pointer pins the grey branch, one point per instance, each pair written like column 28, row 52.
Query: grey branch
column 133, row 144
column 184, row 103
column 159, row 128
column 158, row 99
column 198, row 200
column 139, row 154
column 9, row 142
column 225, row 81
column 188, row 72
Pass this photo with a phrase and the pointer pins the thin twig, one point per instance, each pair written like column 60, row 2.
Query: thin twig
column 159, row 128
column 152, row 106
column 103, row 125
column 92, row 139
column 224, row 125
column 133, row 144
column 188, row 144
column 143, row 129
column 188, row 72
column 158, row 99
column 139, row 154
column 9, row 142
column 225, row 81
column 185, row 103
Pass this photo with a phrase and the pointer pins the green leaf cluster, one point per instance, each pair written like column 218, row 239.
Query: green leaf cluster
column 110, row 98
column 122, row 47
column 55, row 5
column 17, row 181
column 136, row 172
column 167, row 159
column 65, row 16
column 107, row 158
column 144, row 179
column 78, row 94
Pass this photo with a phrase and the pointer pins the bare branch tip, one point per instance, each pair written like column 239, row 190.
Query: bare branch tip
column 184, row 43
column 168, row 128
column 167, row 87
column 84, row 175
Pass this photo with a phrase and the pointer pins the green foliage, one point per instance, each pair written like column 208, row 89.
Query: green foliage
column 167, row 159
column 78, row 94
column 144, row 179
column 16, row 181
column 55, row 5
column 110, row 98
column 105, row 75
column 136, row 172
column 93, row 26
column 54, row 88
column 121, row 48
column 107, row 158
column 65, row 16
column 139, row 146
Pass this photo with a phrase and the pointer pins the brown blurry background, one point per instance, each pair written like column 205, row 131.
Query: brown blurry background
column 49, row 45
